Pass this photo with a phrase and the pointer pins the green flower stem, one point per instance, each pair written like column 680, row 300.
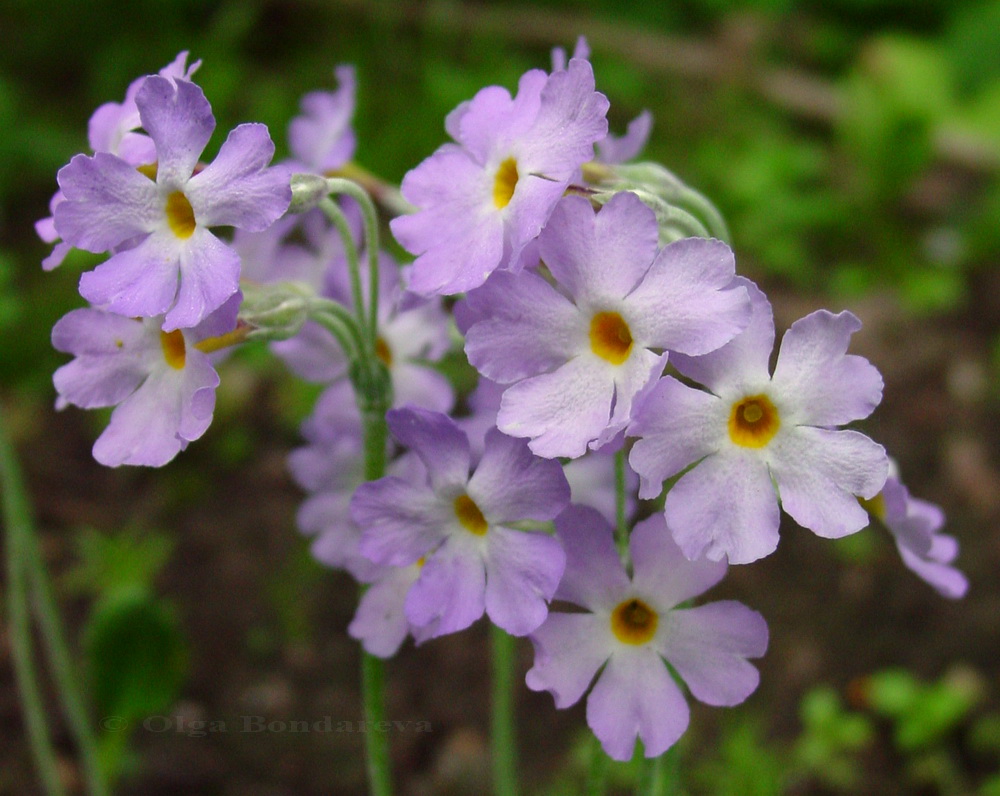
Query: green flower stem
column 337, row 185
column 386, row 194
column 373, row 397
column 621, row 521
column 336, row 215
column 17, row 519
column 661, row 775
column 340, row 323
column 61, row 662
column 502, row 736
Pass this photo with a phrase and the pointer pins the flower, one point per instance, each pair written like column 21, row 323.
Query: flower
column 174, row 265
column 633, row 626
column 914, row 525
column 749, row 429
column 482, row 200
column 460, row 525
column 112, row 128
column 321, row 139
column 162, row 384
column 576, row 355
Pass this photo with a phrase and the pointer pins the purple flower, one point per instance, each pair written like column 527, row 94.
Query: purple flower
column 914, row 525
column 321, row 138
column 112, row 128
column 459, row 524
column 634, row 625
column 161, row 385
column 175, row 266
column 749, row 430
column 380, row 622
column 579, row 353
column 482, row 200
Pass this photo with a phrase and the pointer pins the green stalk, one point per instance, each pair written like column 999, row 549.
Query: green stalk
column 336, row 215
column 621, row 521
column 67, row 684
column 18, row 522
column 502, row 735
column 597, row 769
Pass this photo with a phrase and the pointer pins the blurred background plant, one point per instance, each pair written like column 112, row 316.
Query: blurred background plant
column 854, row 148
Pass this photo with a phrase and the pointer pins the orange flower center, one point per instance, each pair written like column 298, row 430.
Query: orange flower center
column 753, row 421
column 504, row 183
column 610, row 337
column 634, row 622
column 470, row 516
column 180, row 215
column 174, row 350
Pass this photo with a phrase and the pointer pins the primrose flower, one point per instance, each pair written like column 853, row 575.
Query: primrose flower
column 482, row 200
column 914, row 525
column 162, row 384
column 322, row 139
column 459, row 525
column 174, row 266
column 748, row 430
column 112, row 128
column 576, row 355
column 634, row 628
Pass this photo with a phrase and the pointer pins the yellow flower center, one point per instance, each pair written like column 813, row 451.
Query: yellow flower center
column 173, row 348
column 634, row 622
column 180, row 215
column 875, row 506
column 753, row 422
column 610, row 337
column 148, row 170
column 470, row 516
column 504, row 183
column 383, row 352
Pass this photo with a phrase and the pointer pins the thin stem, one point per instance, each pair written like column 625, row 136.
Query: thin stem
column 336, row 215
column 661, row 775
column 17, row 519
column 373, row 409
column 337, row 320
column 651, row 781
column 384, row 193
column 502, row 735
column 621, row 521
column 67, row 684
column 370, row 216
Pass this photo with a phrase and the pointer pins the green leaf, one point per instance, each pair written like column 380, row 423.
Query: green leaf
column 136, row 656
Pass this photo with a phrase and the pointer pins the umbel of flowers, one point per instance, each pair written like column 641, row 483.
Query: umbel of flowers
column 615, row 342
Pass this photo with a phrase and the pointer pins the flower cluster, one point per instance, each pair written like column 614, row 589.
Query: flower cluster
column 620, row 357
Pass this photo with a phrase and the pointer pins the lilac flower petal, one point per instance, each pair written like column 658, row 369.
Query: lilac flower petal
column 936, row 569
column 635, row 696
column 400, row 521
column 379, row 623
column 614, row 149
column 511, row 484
column 744, row 360
column 594, row 577
column 522, row 572
column 820, row 471
column 450, row 590
column 912, row 523
column 157, row 421
column 489, row 111
column 572, row 116
column 831, row 387
column 654, row 552
column 137, row 282
column 560, row 411
column 237, row 188
column 687, row 302
column 531, row 328
column 106, row 203
column 313, row 354
column 725, row 506
column 337, row 545
column 578, row 245
column 417, row 385
column 676, row 426
column 632, row 378
column 569, row 649
column 708, row 646
column 209, row 275
column 592, row 483
column 110, row 123
column 56, row 256
column 439, row 443
column 179, row 119
column 322, row 137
